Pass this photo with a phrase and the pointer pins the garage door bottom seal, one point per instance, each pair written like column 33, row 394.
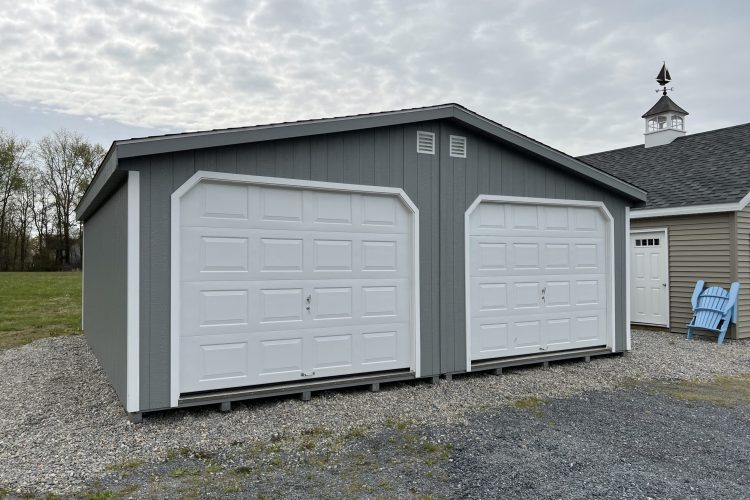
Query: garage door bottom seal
column 531, row 359
column 271, row 390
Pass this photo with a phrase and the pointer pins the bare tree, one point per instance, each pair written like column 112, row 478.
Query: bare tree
column 68, row 163
column 42, row 216
column 24, row 216
column 14, row 158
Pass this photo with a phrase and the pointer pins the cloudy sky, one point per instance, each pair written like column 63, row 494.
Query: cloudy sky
column 576, row 74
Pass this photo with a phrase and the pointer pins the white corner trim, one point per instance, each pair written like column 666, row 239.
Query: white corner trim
column 83, row 275
column 133, row 294
column 628, row 329
column 202, row 175
column 540, row 201
column 691, row 210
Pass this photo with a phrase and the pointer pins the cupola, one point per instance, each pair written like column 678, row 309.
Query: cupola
column 665, row 121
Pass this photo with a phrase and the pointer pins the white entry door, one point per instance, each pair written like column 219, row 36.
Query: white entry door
column 538, row 277
column 649, row 284
column 282, row 284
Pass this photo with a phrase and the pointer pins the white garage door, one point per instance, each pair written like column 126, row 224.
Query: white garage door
column 538, row 278
column 281, row 284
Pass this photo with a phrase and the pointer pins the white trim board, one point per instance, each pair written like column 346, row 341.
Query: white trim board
column 275, row 181
column 541, row 201
column 628, row 329
column 691, row 210
column 133, row 293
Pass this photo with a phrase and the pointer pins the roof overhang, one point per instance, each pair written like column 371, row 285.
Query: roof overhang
column 691, row 210
column 106, row 179
column 217, row 138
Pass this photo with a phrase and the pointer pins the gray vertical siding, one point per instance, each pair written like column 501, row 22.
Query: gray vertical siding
column 491, row 169
column 442, row 187
column 105, row 271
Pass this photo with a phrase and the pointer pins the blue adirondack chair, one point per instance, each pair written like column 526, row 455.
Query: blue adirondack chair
column 713, row 309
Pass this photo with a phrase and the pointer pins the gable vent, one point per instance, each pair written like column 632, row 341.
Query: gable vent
column 458, row 146
column 425, row 142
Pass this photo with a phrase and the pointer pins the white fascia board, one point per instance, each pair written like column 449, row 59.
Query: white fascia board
column 132, row 403
column 692, row 210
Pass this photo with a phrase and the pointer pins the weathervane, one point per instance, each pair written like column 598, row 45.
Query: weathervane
column 663, row 78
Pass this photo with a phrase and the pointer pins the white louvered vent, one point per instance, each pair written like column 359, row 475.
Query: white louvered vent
column 425, row 142
column 458, row 146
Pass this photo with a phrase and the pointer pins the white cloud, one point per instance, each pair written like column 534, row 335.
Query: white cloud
column 574, row 75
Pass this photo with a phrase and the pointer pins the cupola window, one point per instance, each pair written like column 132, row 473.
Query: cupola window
column 657, row 123
column 677, row 122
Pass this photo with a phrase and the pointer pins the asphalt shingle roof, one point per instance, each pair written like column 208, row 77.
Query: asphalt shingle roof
column 698, row 169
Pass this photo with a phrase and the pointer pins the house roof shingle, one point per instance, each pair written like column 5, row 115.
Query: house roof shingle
column 699, row 169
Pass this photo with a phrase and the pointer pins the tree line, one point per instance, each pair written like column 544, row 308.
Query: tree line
column 40, row 185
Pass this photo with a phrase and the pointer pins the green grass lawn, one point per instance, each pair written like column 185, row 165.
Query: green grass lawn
column 38, row 305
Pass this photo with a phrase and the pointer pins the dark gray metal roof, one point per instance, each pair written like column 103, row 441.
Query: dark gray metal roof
column 224, row 137
column 698, row 169
column 664, row 105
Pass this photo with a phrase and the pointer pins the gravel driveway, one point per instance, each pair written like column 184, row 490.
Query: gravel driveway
column 573, row 430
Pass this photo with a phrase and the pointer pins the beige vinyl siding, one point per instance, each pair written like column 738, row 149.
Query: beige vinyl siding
column 743, row 270
column 699, row 248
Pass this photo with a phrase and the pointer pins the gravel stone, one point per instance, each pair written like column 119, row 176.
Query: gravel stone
column 61, row 424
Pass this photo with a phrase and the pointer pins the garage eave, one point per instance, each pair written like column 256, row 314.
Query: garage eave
column 105, row 180
column 259, row 133
column 217, row 138
column 519, row 140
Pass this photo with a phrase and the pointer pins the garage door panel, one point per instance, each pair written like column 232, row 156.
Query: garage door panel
column 267, row 357
column 493, row 294
column 280, row 205
column 490, row 340
column 237, row 205
column 212, row 203
column 516, row 335
column 220, row 307
column 213, row 362
column 236, row 254
column 558, row 331
column 538, row 278
column 332, row 255
column 496, row 255
column 280, row 284
column 587, row 328
column 539, row 220
column 361, row 349
column 281, row 254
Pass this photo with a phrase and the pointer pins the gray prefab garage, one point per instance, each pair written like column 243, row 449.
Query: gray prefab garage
column 296, row 257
